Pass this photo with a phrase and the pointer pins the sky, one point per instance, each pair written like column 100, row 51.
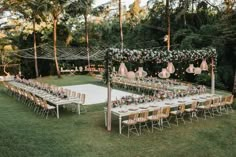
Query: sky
column 125, row 2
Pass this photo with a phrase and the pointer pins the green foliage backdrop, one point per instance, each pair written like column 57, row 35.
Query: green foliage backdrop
column 194, row 25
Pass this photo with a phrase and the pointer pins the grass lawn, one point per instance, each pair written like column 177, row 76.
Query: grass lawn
column 25, row 134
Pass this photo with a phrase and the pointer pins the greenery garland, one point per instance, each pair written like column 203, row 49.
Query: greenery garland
column 161, row 55
column 108, row 64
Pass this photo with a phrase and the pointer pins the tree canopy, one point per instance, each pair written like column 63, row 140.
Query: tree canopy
column 194, row 25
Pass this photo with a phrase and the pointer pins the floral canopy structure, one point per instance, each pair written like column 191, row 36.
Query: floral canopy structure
column 162, row 56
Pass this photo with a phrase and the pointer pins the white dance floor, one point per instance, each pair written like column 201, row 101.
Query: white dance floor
column 96, row 94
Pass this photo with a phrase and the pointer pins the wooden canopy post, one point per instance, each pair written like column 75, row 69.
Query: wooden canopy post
column 212, row 76
column 108, row 106
column 108, row 93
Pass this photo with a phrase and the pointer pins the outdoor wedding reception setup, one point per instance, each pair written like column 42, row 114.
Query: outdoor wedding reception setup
column 157, row 98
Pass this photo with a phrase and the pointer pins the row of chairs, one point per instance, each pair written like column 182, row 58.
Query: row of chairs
column 59, row 91
column 38, row 105
column 50, row 88
column 158, row 118
column 210, row 107
column 161, row 116
column 73, row 107
column 216, row 106
column 152, row 87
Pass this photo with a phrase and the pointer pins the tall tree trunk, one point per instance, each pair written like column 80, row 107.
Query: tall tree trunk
column 185, row 22
column 2, row 57
column 168, row 23
column 234, row 87
column 55, row 46
column 4, row 69
column 121, row 29
column 229, row 5
column 87, row 38
column 186, row 3
column 35, row 51
column 192, row 6
column 4, row 64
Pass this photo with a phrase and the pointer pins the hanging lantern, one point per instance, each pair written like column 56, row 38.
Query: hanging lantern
column 197, row 71
column 122, row 69
column 140, row 73
column 165, row 38
column 204, row 66
column 190, row 69
column 131, row 75
column 81, row 69
column 164, row 73
column 170, row 67
column 114, row 69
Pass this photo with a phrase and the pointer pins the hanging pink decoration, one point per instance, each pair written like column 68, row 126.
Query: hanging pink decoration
column 131, row 75
column 204, row 65
column 122, row 70
column 164, row 73
column 190, row 69
column 170, row 67
column 141, row 73
column 197, row 71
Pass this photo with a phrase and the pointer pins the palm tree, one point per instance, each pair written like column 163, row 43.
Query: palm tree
column 37, row 7
column 55, row 18
column 82, row 7
column 87, row 10
column 56, row 8
column 35, row 50
column 234, row 88
column 168, row 23
column 32, row 10
column 121, row 29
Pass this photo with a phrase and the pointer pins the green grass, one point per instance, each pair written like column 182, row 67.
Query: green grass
column 25, row 134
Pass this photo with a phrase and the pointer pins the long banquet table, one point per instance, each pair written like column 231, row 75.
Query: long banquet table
column 151, row 84
column 52, row 99
column 126, row 110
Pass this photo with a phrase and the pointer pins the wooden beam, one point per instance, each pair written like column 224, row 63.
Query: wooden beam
column 212, row 77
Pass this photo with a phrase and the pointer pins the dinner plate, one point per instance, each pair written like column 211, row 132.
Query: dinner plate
column 122, row 111
column 143, row 107
column 153, row 105
column 133, row 109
